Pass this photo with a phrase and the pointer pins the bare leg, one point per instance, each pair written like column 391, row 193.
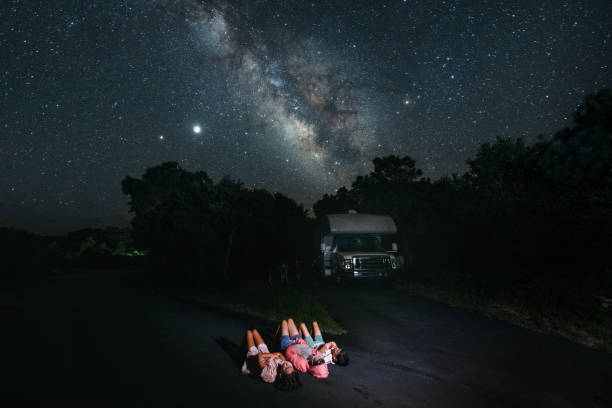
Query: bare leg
column 257, row 337
column 249, row 338
column 315, row 329
column 304, row 330
column 284, row 328
column 292, row 329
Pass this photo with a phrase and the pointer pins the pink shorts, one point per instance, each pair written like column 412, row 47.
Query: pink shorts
column 253, row 351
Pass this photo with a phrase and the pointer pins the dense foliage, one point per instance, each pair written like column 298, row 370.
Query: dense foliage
column 27, row 256
column 200, row 232
column 530, row 224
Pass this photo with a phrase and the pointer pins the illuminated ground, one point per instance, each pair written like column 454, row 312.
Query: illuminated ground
column 92, row 340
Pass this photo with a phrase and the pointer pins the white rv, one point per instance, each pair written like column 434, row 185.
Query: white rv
column 359, row 246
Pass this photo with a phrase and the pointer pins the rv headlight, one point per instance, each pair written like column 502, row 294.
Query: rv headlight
column 394, row 262
column 348, row 264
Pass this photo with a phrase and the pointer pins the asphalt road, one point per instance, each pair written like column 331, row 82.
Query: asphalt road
column 94, row 340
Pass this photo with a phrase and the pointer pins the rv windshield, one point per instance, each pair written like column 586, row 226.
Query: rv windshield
column 359, row 243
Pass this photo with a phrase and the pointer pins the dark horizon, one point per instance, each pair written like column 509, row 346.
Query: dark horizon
column 32, row 220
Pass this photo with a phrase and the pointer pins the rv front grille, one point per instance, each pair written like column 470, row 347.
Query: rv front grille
column 372, row 262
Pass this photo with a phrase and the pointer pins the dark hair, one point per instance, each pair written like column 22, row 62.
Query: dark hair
column 312, row 362
column 342, row 358
column 287, row 382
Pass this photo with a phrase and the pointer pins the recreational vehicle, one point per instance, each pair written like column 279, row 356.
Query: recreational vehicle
column 359, row 246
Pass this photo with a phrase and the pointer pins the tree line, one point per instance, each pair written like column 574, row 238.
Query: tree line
column 200, row 232
column 27, row 256
column 522, row 223
column 525, row 223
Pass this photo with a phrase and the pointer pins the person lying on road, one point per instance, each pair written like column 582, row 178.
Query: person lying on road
column 330, row 350
column 272, row 367
column 303, row 357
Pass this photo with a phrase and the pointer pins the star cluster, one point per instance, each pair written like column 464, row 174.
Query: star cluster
column 292, row 96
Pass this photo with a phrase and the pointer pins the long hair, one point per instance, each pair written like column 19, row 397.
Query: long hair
column 287, row 382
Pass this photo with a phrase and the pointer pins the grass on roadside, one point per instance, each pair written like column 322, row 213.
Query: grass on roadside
column 595, row 333
column 270, row 303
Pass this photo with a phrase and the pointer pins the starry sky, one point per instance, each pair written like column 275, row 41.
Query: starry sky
column 291, row 96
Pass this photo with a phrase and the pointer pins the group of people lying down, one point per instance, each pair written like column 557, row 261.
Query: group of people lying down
column 302, row 353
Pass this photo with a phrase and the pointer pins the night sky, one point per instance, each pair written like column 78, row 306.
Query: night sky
column 291, row 96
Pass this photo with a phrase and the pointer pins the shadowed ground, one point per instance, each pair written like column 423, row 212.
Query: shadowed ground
column 93, row 339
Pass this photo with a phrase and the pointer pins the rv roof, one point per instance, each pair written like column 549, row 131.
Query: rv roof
column 361, row 223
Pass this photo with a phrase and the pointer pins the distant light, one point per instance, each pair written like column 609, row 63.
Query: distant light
column 161, row 137
column 197, row 129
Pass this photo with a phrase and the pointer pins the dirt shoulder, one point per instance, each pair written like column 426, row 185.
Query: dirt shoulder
column 272, row 303
column 595, row 333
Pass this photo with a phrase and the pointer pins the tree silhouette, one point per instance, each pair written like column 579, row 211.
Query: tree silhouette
column 341, row 202
column 522, row 221
column 581, row 156
column 504, row 166
column 186, row 220
column 232, row 207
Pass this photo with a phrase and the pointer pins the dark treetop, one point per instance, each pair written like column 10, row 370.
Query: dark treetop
column 294, row 96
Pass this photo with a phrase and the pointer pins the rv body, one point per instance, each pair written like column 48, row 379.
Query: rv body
column 359, row 246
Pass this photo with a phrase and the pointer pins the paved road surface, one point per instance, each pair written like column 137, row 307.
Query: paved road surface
column 93, row 340
column 423, row 353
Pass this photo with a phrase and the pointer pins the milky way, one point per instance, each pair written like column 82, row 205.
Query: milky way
column 292, row 96
column 301, row 99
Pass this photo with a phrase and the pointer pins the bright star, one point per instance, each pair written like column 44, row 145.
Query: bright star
column 197, row 129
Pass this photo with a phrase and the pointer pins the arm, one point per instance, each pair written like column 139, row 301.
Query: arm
column 301, row 341
column 327, row 346
column 268, row 355
column 261, row 359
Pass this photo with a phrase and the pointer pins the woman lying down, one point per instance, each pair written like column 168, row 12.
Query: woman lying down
column 332, row 354
column 308, row 355
column 271, row 367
